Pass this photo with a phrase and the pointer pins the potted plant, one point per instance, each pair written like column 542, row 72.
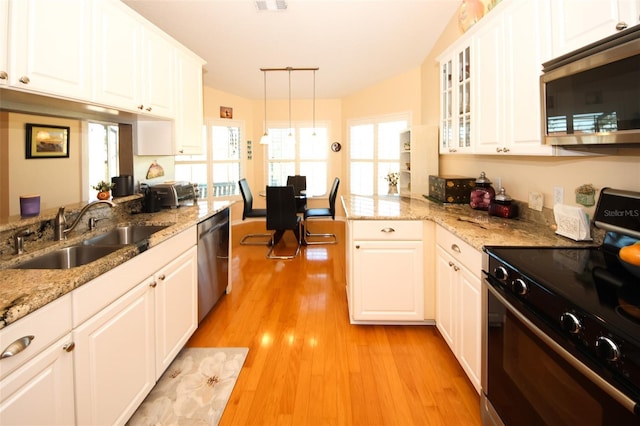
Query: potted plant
column 104, row 189
column 392, row 178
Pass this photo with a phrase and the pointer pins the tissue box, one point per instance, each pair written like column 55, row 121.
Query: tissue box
column 451, row 189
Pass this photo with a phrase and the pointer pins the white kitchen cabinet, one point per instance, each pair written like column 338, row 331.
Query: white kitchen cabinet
column 507, row 84
column 133, row 62
column 576, row 23
column 387, row 276
column 456, row 85
column 189, row 101
column 117, row 67
column 49, row 47
column 129, row 324
column 176, row 307
column 41, row 391
column 4, row 36
column 42, row 371
column 115, row 358
column 458, row 302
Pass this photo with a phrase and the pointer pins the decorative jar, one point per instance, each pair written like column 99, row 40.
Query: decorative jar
column 482, row 194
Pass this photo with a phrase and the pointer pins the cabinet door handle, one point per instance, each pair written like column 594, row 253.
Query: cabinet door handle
column 357, row 246
column 153, row 284
column 3, row 75
column 148, row 109
column 69, row 347
column 621, row 26
column 455, row 248
column 161, row 277
column 387, row 230
column 24, row 79
column 140, row 107
column 17, row 346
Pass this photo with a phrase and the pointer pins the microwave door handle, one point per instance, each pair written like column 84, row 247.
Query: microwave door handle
column 606, row 387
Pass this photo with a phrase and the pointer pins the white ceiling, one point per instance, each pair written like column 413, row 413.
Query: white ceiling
column 355, row 43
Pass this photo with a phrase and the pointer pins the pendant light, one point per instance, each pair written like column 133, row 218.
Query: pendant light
column 290, row 138
column 265, row 139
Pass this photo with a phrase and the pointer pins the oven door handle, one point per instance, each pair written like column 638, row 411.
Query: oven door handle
column 606, row 387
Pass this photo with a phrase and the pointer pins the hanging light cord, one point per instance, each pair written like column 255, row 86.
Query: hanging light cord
column 265, row 102
column 289, row 101
column 314, row 102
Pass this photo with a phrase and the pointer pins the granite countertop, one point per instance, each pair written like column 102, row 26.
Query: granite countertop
column 24, row 290
column 475, row 227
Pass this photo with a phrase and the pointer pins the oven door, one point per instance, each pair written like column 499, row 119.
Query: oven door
column 529, row 379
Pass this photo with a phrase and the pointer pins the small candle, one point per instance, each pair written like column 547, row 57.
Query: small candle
column 29, row 205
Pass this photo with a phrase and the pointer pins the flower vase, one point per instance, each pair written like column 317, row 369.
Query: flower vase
column 393, row 189
column 104, row 195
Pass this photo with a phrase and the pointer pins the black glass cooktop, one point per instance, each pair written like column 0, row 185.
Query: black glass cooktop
column 593, row 279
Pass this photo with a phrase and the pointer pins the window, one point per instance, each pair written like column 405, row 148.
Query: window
column 217, row 170
column 374, row 152
column 102, row 154
column 306, row 156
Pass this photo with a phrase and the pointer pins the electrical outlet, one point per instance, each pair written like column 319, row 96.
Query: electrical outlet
column 558, row 195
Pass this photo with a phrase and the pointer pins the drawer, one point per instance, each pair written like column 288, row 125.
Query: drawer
column 387, row 230
column 46, row 325
column 461, row 251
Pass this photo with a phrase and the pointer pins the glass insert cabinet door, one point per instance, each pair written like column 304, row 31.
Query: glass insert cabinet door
column 455, row 102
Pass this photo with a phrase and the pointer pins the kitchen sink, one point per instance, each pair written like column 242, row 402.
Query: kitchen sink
column 123, row 235
column 68, row 257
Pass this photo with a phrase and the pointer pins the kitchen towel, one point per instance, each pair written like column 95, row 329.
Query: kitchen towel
column 194, row 390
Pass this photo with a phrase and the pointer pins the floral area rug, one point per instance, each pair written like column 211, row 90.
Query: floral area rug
column 194, row 390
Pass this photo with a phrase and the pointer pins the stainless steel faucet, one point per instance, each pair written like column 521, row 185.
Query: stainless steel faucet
column 60, row 229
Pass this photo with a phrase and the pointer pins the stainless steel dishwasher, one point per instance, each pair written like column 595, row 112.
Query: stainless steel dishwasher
column 213, row 261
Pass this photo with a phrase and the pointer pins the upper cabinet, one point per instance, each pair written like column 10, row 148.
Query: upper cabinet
column 133, row 62
column 455, row 95
column 48, row 47
column 190, row 110
column 4, row 34
column 507, row 93
column 576, row 23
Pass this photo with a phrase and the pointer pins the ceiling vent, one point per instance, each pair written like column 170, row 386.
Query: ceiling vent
column 271, row 5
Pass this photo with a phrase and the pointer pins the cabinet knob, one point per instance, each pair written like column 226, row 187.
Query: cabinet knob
column 148, row 109
column 621, row 26
column 505, row 149
column 3, row 75
column 141, row 107
column 498, row 149
column 357, row 246
column 17, row 346
column 24, row 79
column 153, row 284
column 161, row 277
column 69, row 347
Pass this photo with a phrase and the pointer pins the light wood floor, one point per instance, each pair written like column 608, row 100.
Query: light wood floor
column 308, row 366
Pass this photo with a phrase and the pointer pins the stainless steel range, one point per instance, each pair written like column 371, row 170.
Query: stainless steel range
column 561, row 332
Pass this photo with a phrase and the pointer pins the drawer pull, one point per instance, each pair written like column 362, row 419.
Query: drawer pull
column 153, row 284
column 455, row 248
column 69, row 346
column 17, row 347
column 387, row 230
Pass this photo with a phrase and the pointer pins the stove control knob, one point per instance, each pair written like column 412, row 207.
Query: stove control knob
column 501, row 273
column 520, row 287
column 569, row 322
column 607, row 349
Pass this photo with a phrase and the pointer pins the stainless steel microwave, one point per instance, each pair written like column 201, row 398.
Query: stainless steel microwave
column 592, row 96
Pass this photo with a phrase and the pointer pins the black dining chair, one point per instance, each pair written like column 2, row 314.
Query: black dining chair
column 282, row 216
column 249, row 211
column 322, row 212
column 299, row 184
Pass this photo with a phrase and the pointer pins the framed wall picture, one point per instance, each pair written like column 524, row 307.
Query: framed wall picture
column 45, row 141
column 226, row 112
